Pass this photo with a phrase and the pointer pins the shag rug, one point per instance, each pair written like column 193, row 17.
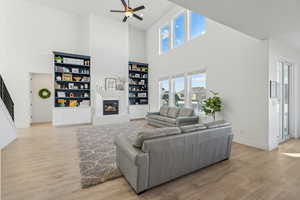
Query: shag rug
column 97, row 151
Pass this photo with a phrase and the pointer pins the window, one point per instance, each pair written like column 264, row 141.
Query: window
column 165, row 39
column 198, row 91
column 179, row 89
column 197, row 25
column 164, row 92
column 180, row 30
column 186, row 26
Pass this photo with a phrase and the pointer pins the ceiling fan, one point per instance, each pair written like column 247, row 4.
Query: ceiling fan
column 128, row 11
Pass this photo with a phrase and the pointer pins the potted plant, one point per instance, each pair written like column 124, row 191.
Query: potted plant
column 212, row 105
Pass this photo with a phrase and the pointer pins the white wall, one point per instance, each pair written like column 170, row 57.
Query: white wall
column 279, row 51
column 41, row 110
column 109, row 50
column 30, row 33
column 137, row 45
column 237, row 67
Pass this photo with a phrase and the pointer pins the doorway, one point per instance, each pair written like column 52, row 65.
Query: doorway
column 41, row 107
column 284, row 72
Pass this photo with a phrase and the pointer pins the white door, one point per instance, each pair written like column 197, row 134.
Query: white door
column 41, row 109
column 284, row 73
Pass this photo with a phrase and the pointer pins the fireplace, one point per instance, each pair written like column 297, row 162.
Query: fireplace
column 110, row 107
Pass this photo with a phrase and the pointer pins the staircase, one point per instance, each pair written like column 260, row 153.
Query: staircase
column 7, row 125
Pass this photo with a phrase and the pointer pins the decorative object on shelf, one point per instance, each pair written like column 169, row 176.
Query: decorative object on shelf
column 61, row 102
column 57, row 86
column 110, row 84
column 85, row 79
column 273, row 89
column 61, row 94
column 212, row 105
column 75, row 70
column 67, row 77
column 86, row 86
column 58, row 59
column 71, row 95
column 58, row 78
column 77, row 79
column 73, row 103
column 120, row 84
column 71, row 86
column 44, row 93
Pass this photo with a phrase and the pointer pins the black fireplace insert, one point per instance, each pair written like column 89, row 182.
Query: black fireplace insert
column 110, row 107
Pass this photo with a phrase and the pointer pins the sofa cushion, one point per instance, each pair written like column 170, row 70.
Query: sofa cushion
column 173, row 112
column 162, row 118
column 186, row 112
column 217, row 124
column 164, row 111
column 193, row 128
column 155, row 133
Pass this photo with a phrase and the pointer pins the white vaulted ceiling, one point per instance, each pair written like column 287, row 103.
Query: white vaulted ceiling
column 154, row 8
column 262, row 19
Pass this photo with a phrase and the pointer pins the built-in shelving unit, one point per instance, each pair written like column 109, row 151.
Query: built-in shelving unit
column 138, row 83
column 72, row 80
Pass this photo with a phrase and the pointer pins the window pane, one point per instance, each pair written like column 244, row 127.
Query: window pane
column 164, row 92
column 179, row 92
column 179, row 30
column 197, row 25
column 198, row 91
column 165, row 38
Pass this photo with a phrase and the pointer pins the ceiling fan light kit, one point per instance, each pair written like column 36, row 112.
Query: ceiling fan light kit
column 129, row 12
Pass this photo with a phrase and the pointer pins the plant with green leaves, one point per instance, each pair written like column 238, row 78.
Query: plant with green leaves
column 212, row 105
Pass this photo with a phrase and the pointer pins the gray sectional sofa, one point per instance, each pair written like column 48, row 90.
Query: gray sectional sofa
column 172, row 117
column 160, row 155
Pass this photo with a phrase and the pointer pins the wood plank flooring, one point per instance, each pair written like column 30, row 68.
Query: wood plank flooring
column 42, row 164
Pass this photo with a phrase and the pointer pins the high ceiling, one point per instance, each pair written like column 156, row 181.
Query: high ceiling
column 154, row 8
column 262, row 19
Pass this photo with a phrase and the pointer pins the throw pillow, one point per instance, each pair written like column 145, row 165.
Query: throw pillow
column 164, row 111
column 155, row 133
column 173, row 112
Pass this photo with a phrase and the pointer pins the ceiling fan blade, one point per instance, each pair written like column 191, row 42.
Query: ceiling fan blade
column 125, row 19
column 124, row 3
column 118, row 11
column 138, row 8
column 138, row 17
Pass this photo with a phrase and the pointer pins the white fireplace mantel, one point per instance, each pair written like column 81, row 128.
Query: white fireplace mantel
column 123, row 116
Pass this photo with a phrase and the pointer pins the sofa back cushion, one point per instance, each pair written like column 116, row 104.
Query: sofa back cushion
column 155, row 133
column 173, row 112
column 186, row 112
column 164, row 111
column 193, row 128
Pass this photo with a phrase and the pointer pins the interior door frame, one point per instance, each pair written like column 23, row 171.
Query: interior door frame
column 293, row 99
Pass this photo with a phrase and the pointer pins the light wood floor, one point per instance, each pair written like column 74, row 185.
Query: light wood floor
column 42, row 164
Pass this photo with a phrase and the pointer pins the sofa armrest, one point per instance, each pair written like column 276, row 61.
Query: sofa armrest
column 126, row 147
column 191, row 119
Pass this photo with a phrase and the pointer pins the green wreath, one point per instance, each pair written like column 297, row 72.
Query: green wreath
column 44, row 93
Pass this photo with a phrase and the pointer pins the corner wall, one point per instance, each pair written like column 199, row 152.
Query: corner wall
column 31, row 33
column 236, row 66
